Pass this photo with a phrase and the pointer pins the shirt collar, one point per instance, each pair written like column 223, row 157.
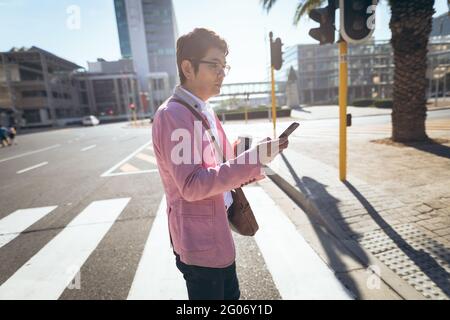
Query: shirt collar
column 202, row 104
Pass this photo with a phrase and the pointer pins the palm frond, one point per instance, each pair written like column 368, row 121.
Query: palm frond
column 267, row 4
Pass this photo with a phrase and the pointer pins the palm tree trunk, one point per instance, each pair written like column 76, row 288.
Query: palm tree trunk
column 410, row 24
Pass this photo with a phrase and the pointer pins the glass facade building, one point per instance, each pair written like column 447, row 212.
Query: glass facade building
column 370, row 71
column 148, row 33
column 122, row 28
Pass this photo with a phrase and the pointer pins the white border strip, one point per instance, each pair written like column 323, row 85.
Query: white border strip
column 133, row 172
column 108, row 172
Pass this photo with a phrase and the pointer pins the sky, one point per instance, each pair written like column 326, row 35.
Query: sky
column 50, row 25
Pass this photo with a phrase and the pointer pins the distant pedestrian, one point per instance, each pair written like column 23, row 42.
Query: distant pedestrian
column 11, row 135
column 4, row 140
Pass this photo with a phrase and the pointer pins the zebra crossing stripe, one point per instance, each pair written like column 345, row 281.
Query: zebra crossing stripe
column 298, row 272
column 18, row 221
column 47, row 274
column 157, row 277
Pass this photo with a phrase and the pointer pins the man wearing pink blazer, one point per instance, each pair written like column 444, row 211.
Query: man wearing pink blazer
column 196, row 182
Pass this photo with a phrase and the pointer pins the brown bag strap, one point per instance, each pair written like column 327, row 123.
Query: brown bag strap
column 205, row 125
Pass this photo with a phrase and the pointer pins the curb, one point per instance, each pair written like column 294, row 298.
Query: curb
column 367, row 115
column 392, row 280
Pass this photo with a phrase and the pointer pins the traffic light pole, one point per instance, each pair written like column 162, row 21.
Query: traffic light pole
column 357, row 24
column 274, row 104
column 276, row 62
column 343, row 110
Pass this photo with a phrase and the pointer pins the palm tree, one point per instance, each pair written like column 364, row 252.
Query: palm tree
column 410, row 25
column 411, row 22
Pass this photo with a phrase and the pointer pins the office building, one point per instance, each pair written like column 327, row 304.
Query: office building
column 147, row 34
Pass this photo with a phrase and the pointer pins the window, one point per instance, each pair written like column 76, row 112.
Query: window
column 26, row 75
column 32, row 116
column 83, row 98
column 35, row 93
column 158, row 84
column 104, row 90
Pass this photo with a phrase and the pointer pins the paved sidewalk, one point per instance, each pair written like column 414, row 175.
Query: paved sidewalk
column 393, row 212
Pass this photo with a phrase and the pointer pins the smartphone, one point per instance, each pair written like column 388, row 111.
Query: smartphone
column 289, row 130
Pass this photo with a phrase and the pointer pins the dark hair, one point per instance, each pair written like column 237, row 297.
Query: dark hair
column 195, row 45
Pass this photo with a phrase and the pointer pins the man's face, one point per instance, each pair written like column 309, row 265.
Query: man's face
column 208, row 80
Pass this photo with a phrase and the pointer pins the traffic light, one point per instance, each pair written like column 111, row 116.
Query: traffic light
column 357, row 19
column 276, row 52
column 326, row 17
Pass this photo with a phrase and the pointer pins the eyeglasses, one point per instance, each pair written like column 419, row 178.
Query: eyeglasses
column 217, row 67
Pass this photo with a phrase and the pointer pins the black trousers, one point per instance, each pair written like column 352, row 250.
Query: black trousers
column 210, row 283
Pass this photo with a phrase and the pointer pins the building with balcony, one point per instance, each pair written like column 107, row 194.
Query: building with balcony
column 38, row 88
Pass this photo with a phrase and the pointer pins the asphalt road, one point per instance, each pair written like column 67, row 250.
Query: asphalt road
column 82, row 216
column 72, row 162
column 86, row 198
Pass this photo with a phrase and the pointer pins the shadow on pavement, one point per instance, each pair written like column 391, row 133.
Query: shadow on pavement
column 334, row 252
column 432, row 147
column 423, row 260
column 301, row 109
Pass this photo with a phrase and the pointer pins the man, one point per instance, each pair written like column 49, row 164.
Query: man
column 196, row 182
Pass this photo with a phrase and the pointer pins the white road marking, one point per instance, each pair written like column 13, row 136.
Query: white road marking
column 33, row 167
column 29, row 153
column 127, row 173
column 18, row 221
column 157, row 277
column 108, row 172
column 88, row 148
column 47, row 274
column 297, row 270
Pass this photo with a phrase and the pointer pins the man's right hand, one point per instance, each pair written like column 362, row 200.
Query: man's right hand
column 268, row 149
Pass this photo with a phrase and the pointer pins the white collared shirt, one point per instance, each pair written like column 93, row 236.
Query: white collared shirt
column 208, row 112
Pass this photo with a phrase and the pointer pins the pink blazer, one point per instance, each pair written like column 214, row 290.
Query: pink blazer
column 194, row 188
